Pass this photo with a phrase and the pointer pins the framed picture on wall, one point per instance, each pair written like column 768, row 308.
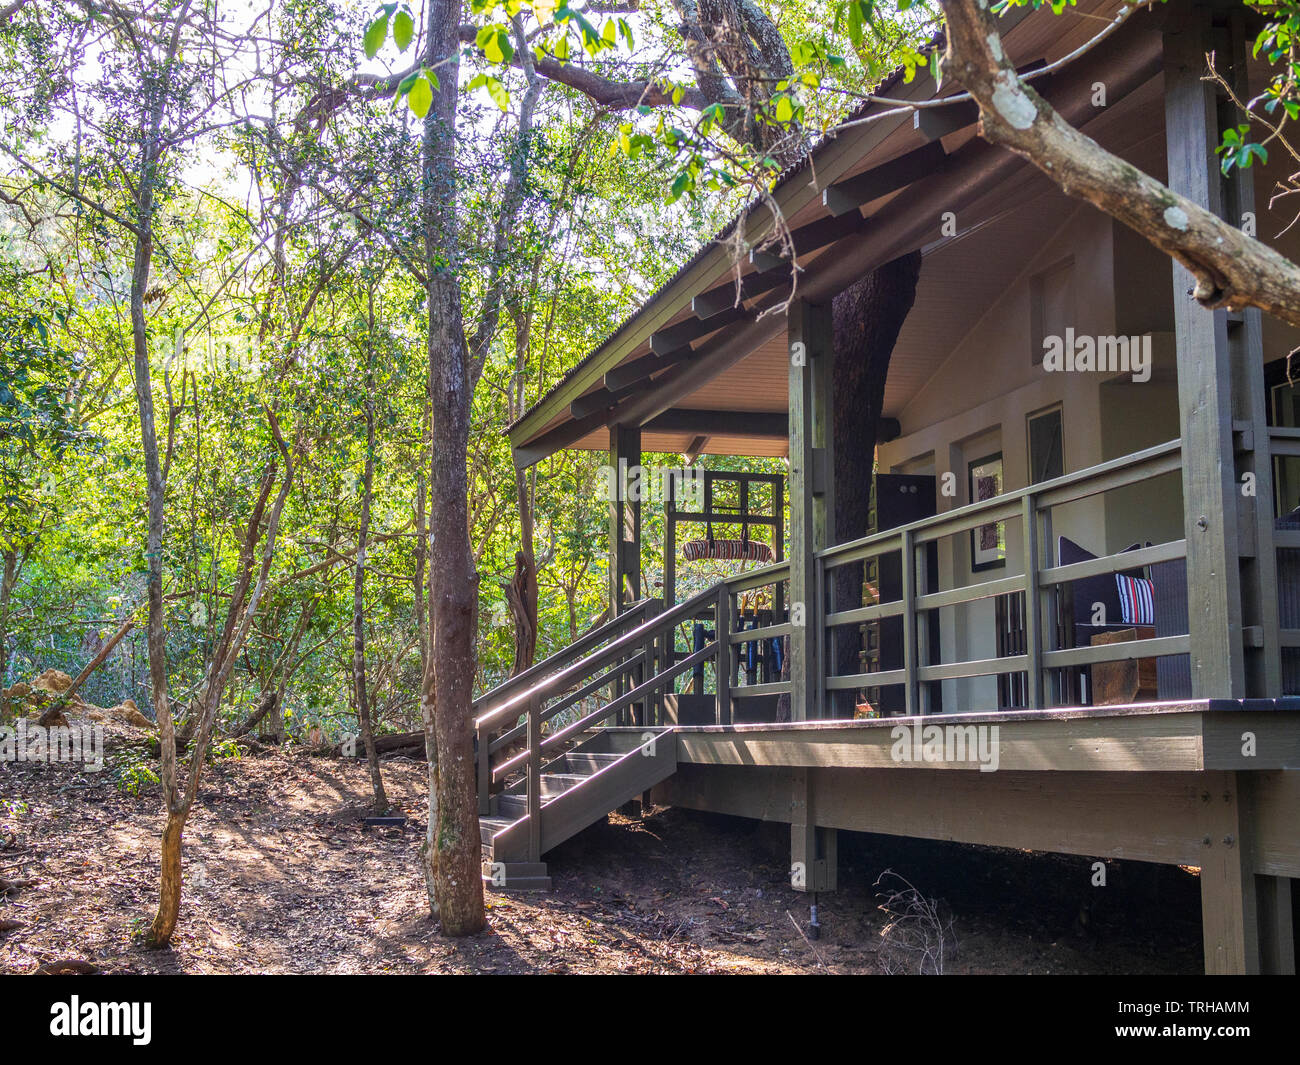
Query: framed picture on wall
column 988, row 543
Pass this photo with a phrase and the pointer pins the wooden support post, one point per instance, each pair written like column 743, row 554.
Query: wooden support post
column 1210, row 490
column 778, row 545
column 1276, row 928
column 624, row 519
column 824, row 603
column 812, row 506
column 534, row 778
column 911, row 688
column 484, row 757
column 813, row 850
column 1259, row 604
column 671, row 506
column 1033, row 606
column 652, row 666
column 722, row 632
column 1229, row 917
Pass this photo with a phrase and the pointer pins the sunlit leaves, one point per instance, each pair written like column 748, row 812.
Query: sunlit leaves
column 494, row 88
column 420, row 97
column 376, row 34
column 495, row 44
column 403, row 30
column 396, row 17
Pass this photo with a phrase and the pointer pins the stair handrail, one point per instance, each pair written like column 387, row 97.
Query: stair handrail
column 488, row 702
column 523, row 702
column 525, row 695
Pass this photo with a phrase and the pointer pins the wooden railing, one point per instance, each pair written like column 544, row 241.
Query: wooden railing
column 1284, row 443
column 630, row 662
column 1032, row 508
column 773, row 579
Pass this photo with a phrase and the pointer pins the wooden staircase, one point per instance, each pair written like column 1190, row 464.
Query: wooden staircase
column 609, row 768
column 564, row 743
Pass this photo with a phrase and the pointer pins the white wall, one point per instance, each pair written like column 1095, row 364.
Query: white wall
column 980, row 399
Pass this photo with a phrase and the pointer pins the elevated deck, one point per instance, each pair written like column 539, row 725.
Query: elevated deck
column 1186, row 736
column 1207, row 783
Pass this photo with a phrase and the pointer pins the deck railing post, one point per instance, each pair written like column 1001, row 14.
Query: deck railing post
column 722, row 631
column 650, row 664
column 1033, row 605
column 911, row 689
column 822, row 604
column 1211, row 500
column 812, row 488
column 484, row 758
column 534, row 778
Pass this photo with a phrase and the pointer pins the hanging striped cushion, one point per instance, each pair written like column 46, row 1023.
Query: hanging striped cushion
column 1136, row 601
column 746, row 550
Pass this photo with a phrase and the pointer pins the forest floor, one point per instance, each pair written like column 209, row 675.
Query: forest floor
column 282, row 876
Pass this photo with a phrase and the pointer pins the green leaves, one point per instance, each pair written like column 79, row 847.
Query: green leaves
column 858, row 16
column 683, row 183
column 403, row 30
column 400, row 19
column 420, row 97
column 631, row 143
column 495, row 43
column 500, row 96
column 1238, row 151
column 376, row 34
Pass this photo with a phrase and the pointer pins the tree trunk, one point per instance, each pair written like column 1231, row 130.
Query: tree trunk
column 423, row 599
column 868, row 317
column 266, row 702
column 164, row 923
column 7, row 582
column 359, row 618
column 169, row 881
column 521, row 591
column 521, row 595
column 453, row 812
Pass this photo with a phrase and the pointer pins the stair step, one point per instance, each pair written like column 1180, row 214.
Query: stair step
column 514, row 804
column 512, row 807
column 553, row 784
column 580, row 787
column 490, row 826
column 516, row 876
column 558, row 783
column 585, row 763
column 622, row 740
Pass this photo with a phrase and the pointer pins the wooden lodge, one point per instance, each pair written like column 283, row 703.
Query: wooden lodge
column 1084, row 569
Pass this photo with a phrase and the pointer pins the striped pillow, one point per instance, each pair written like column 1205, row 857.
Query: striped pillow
column 746, row 550
column 1136, row 601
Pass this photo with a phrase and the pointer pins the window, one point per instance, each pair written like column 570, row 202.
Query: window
column 1282, row 378
column 1046, row 446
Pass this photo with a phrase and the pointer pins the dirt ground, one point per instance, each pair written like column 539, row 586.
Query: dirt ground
column 283, row 877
